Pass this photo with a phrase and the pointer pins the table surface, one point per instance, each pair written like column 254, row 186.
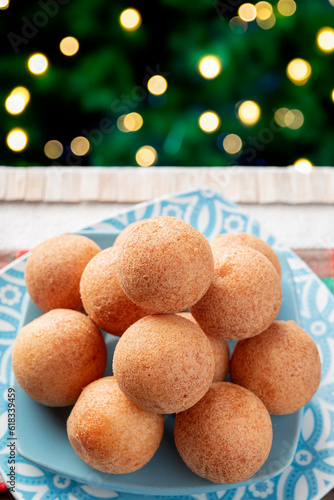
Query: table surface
column 24, row 224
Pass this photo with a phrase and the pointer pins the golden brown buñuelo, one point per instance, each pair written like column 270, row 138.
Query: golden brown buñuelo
column 165, row 265
column 164, row 363
column 281, row 366
column 248, row 240
column 226, row 437
column 110, row 432
column 102, row 296
column 244, row 297
column 58, row 354
column 54, row 268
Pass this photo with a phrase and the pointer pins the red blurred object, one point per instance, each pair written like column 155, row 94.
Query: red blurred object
column 19, row 253
column 3, row 487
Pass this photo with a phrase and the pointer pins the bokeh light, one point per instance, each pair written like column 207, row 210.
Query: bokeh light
column 249, row 113
column 325, row 39
column 133, row 122
column 15, row 104
column 286, row 7
column 130, row 19
column 303, row 165
column 22, row 92
column 80, row 146
column 280, row 116
column 267, row 23
column 17, row 140
column 299, row 71
column 4, row 4
column 130, row 122
column 157, row 85
column 17, row 101
column 69, row 46
column 209, row 122
column 232, row 144
column 146, row 156
column 294, row 119
column 332, row 95
column 38, row 64
column 209, row 67
column 247, row 12
column 289, row 118
column 264, row 10
column 237, row 25
column 53, row 149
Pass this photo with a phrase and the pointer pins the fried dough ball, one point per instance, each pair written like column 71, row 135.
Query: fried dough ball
column 165, row 265
column 248, row 240
column 54, row 269
column 111, row 433
column 102, row 296
column 281, row 366
column 220, row 349
column 244, row 298
column 123, row 234
column 164, row 363
column 57, row 355
column 226, row 437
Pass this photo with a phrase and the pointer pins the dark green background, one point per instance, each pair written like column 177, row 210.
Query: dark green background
column 108, row 76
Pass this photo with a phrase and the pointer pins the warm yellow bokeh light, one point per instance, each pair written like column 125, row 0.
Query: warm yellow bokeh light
column 69, row 46
column 290, row 118
column 22, row 92
column 133, row 122
column 146, row 156
column 157, row 85
column 38, row 64
column 299, row 71
column 130, row 19
column 294, row 119
column 268, row 23
column 332, row 95
column 130, row 122
column 249, row 113
column 247, row 12
column 80, row 146
column 263, row 10
column 280, row 116
column 209, row 122
column 232, row 144
column 17, row 140
column 303, row 165
column 120, row 123
column 209, row 67
column 17, row 101
column 15, row 104
column 325, row 39
column 237, row 25
column 286, row 7
column 4, row 4
column 53, row 149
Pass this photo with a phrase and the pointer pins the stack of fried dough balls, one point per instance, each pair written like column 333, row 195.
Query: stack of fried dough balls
column 166, row 360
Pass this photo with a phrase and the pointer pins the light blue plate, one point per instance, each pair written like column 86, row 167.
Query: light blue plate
column 41, row 432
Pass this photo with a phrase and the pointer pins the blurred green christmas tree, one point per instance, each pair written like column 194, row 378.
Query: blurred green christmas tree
column 167, row 82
